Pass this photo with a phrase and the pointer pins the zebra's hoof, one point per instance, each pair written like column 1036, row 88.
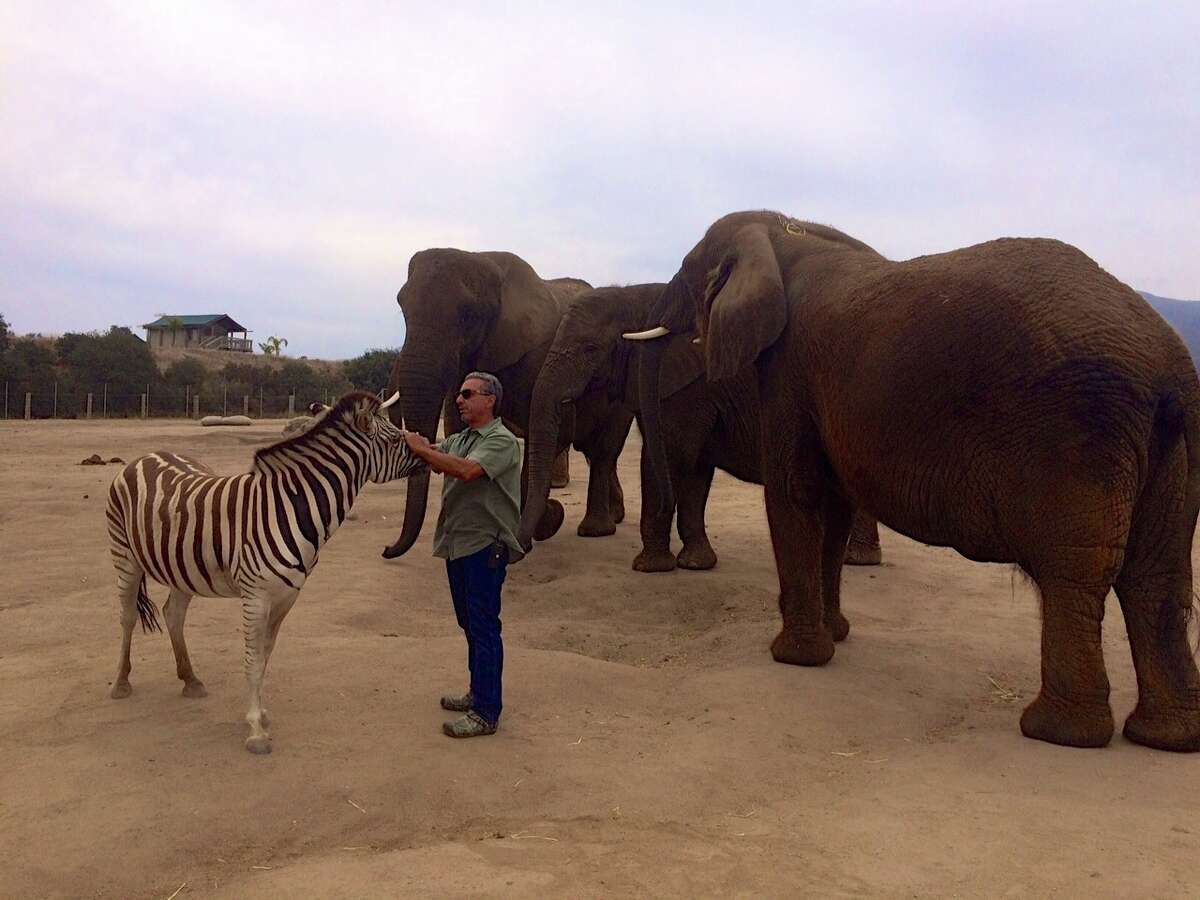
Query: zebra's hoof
column 120, row 690
column 258, row 745
column 195, row 690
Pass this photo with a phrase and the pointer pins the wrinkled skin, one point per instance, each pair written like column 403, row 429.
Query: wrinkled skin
column 1010, row 400
column 467, row 312
column 587, row 373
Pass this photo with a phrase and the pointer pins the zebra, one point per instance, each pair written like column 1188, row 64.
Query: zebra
column 256, row 536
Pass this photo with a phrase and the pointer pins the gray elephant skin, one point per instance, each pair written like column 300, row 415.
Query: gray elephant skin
column 465, row 312
column 706, row 426
column 1010, row 400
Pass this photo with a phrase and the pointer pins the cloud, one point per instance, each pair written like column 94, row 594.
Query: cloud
column 282, row 163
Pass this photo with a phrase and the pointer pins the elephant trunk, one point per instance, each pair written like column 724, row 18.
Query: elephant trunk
column 650, row 357
column 674, row 311
column 557, row 384
column 421, row 403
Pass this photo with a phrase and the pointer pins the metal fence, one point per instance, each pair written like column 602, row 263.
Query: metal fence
column 103, row 401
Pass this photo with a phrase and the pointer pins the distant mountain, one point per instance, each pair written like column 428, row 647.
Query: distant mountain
column 1184, row 316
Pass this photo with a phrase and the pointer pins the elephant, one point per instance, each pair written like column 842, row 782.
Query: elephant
column 465, row 311
column 708, row 426
column 1011, row 400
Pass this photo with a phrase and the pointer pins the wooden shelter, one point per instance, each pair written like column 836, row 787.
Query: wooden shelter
column 210, row 332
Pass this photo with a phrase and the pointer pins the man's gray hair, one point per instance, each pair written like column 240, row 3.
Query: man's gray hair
column 493, row 387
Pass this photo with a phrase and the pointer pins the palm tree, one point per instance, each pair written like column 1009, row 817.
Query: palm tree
column 271, row 346
column 172, row 322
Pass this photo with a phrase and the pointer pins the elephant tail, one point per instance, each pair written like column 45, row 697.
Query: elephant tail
column 1178, row 416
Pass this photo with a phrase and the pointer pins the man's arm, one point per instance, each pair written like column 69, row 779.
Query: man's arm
column 443, row 463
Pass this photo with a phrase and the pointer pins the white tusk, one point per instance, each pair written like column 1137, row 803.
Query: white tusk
column 390, row 400
column 650, row 335
column 697, row 340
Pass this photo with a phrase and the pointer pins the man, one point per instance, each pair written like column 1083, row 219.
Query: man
column 477, row 536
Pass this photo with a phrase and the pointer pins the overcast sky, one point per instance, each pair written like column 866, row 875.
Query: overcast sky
column 282, row 162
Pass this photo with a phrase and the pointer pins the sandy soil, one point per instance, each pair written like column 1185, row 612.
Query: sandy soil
column 649, row 744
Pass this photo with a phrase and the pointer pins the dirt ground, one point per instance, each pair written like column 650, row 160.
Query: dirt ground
column 649, row 745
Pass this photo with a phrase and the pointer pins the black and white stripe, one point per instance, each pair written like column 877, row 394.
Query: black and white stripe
column 255, row 536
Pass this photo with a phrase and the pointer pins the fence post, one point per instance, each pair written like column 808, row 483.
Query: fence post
column 147, row 410
column 260, row 403
column 187, row 398
column 144, row 404
column 106, row 399
column 225, row 401
column 54, row 415
column 246, row 405
column 291, row 404
column 89, row 405
column 196, row 406
column 6, row 399
column 28, row 404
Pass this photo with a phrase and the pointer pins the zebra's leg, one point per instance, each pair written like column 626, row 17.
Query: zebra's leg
column 256, row 614
column 129, row 576
column 279, row 610
column 175, row 612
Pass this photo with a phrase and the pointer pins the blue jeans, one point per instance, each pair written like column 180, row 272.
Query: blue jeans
column 476, row 591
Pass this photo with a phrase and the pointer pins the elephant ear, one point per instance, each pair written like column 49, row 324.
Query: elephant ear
column 745, row 304
column 527, row 318
column 682, row 364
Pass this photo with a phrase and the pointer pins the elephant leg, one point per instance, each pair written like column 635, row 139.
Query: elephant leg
column 797, row 535
column 560, row 475
column 1072, row 707
column 656, row 553
column 692, row 499
column 616, row 496
column 838, row 517
column 598, row 521
column 864, row 549
column 1155, row 590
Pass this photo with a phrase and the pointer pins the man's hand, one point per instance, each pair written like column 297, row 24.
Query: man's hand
column 416, row 441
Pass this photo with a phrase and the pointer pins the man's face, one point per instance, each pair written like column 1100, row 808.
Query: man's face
column 474, row 406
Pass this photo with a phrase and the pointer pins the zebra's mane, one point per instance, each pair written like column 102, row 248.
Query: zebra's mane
column 334, row 418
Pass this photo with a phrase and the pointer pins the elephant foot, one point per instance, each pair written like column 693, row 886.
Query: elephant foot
column 550, row 522
column 697, row 557
column 810, row 649
column 863, row 554
column 120, row 690
column 259, row 744
column 595, row 526
column 618, row 512
column 838, row 625
column 1164, row 729
column 654, row 561
column 195, row 689
column 1069, row 724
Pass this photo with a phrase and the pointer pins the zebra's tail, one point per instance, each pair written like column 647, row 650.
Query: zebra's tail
column 147, row 611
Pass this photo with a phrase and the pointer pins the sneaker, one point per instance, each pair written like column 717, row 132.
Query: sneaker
column 470, row 725
column 458, row 704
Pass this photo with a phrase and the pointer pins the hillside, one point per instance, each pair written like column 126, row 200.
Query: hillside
column 1184, row 316
column 215, row 360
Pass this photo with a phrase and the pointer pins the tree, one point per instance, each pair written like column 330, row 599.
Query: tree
column 370, row 371
column 173, row 322
column 272, row 345
column 4, row 336
column 185, row 372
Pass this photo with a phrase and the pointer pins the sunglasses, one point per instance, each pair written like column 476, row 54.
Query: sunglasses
column 468, row 393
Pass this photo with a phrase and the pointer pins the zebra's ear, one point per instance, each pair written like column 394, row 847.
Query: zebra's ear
column 364, row 416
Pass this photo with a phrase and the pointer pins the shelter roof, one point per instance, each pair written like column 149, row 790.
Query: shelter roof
column 194, row 321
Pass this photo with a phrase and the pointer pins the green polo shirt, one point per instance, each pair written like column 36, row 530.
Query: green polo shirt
column 475, row 513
